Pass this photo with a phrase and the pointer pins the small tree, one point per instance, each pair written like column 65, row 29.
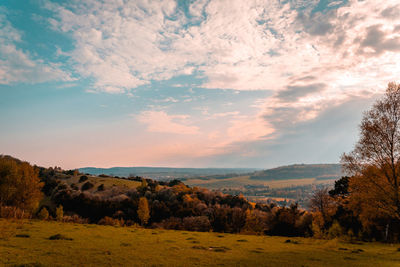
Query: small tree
column 59, row 213
column 143, row 211
column 43, row 214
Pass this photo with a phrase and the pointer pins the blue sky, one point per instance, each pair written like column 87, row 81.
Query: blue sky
column 206, row 83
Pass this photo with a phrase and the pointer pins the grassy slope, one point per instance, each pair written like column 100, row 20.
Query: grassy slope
column 95, row 245
column 96, row 181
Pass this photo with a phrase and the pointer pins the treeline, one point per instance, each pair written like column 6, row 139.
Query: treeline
column 33, row 192
column 173, row 205
column 169, row 205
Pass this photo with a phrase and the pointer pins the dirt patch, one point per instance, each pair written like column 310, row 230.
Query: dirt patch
column 23, row 235
column 59, row 237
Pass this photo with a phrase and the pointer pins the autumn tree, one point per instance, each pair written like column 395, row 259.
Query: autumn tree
column 19, row 184
column 374, row 164
column 143, row 211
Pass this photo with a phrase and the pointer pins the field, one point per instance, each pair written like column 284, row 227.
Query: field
column 240, row 181
column 106, row 181
column 29, row 244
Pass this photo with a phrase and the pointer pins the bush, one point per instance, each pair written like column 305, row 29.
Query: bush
column 13, row 212
column 110, row 221
column 83, row 178
column 100, row 187
column 199, row 223
column 171, row 223
column 59, row 213
column 87, row 186
column 75, row 219
column 335, row 230
column 75, row 187
column 43, row 214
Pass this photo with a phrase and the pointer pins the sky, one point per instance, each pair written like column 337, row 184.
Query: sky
column 207, row 83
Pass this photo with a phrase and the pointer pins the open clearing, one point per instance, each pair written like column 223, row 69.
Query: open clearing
column 39, row 243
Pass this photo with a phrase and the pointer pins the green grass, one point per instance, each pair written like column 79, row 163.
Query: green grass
column 95, row 245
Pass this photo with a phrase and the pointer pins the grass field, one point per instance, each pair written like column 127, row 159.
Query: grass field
column 107, row 181
column 240, row 181
column 94, row 245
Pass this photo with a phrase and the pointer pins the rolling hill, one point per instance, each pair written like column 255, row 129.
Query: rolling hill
column 299, row 171
column 164, row 172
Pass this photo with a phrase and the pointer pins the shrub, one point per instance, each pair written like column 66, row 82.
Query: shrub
column 110, row 221
column 43, row 214
column 83, row 178
column 171, row 223
column 75, row 219
column 59, row 213
column 199, row 223
column 13, row 212
column 335, row 230
column 87, row 186
column 74, row 186
column 100, row 187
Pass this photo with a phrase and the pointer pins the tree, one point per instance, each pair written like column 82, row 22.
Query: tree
column 19, row 184
column 143, row 211
column 375, row 161
column 322, row 202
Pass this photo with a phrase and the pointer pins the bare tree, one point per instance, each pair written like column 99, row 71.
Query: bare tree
column 375, row 161
column 322, row 202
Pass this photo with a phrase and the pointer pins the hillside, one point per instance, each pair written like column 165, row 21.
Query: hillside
column 164, row 172
column 29, row 244
column 300, row 171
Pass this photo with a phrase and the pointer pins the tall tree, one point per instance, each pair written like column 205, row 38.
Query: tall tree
column 375, row 161
column 143, row 210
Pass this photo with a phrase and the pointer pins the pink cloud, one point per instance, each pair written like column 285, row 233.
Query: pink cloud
column 161, row 122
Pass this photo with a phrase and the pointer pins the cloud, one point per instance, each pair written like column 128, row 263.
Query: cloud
column 17, row 65
column 376, row 40
column 161, row 122
column 241, row 45
column 294, row 92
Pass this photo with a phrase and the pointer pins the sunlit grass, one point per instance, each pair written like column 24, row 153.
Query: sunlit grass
column 95, row 245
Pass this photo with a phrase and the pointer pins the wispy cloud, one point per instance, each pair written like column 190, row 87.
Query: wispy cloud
column 161, row 122
column 17, row 65
column 239, row 45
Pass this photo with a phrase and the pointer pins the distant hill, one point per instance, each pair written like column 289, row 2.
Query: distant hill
column 164, row 172
column 300, row 171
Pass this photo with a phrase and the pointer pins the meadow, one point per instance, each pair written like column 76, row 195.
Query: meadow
column 49, row 243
